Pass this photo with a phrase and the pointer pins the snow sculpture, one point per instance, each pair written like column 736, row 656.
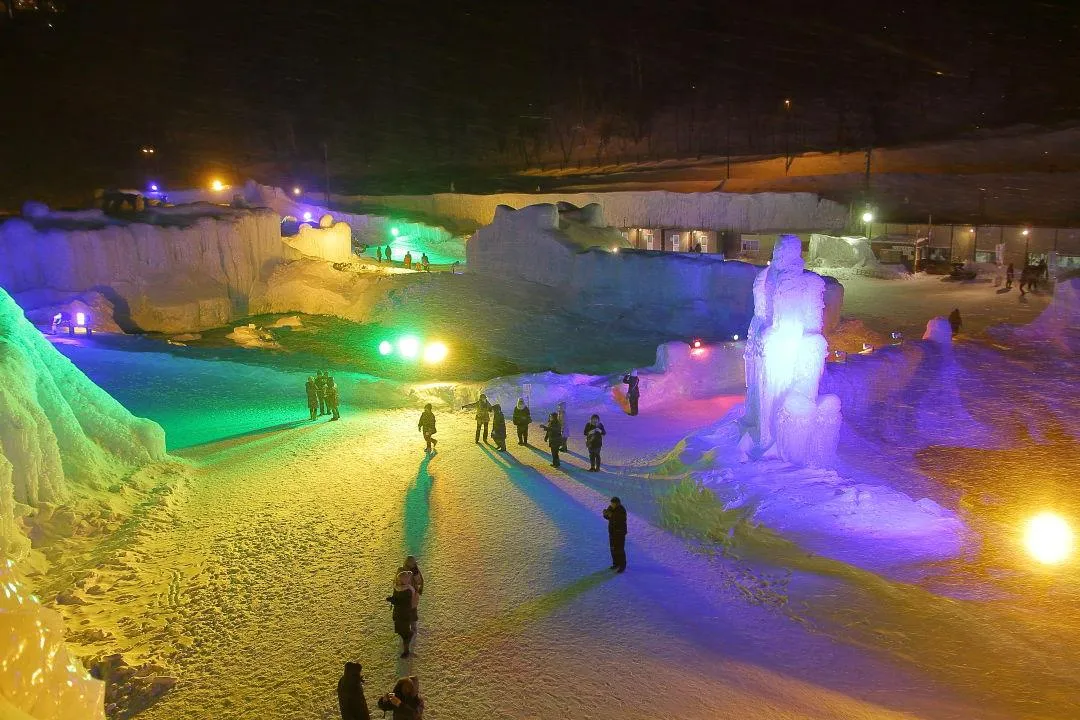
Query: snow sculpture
column 39, row 680
column 58, row 430
column 939, row 330
column 784, row 360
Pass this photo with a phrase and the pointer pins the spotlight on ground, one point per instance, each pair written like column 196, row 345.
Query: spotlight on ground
column 385, row 347
column 1048, row 538
column 435, row 352
column 408, row 346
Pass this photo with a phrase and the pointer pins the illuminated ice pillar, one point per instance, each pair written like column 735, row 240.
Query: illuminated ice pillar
column 785, row 358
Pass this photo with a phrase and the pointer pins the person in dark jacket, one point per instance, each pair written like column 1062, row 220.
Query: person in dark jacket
column 522, row 417
column 320, row 389
column 404, row 609
column 633, row 392
column 955, row 322
column 483, row 413
column 312, row 397
column 560, row 410
column 404, row 701
column 594, row 440
column 425, row 263
column 1010, row 275
column 498, row 427
column 350, row 693
column 332, row 398
column 408, row 260
column 386, row 253
column 427, row 427
column 615, row 514
column 418, row 586
column 553, row 436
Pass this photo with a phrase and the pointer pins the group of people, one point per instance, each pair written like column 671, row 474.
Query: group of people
column 407, row 261
column 322, row 395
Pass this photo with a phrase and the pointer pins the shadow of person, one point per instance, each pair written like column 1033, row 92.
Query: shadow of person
column 418, row 509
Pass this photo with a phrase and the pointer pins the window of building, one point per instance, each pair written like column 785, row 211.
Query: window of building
column 676, row 242
column 702, row 238
column 647, row 235
column 751, row 246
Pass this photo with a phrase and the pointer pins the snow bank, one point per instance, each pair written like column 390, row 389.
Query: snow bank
column 333, row 243
column 850, row 253
column 60, row 430
column 315, row 287
column 42, row 305
column 39, row 679
column 1059, row 324
column 192, row 271
column 759, row 212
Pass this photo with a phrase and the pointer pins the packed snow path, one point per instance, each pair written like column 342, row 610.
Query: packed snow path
column 273, row 561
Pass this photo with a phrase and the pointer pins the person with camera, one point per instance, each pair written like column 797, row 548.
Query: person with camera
column 594, row 440
column 633, row 391
column 404, row 701
column 615, row 514
column 350, row 693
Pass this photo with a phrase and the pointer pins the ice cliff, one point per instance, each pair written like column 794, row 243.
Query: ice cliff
column 58, row 430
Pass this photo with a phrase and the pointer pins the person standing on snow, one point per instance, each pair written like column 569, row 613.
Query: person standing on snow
column 405, row 701
column 522, row 417
column 350, row 693
column 332, row 398
column 553, row 436
column 956, row 323
column 615, row 514
column 483, row 411
column 320, row 390
column 378, row 253
column 594, row 440
column 560, row 410
column 1010, row 275
column 386, row 253
column 498, row 427
column 427, row 427
column 425, row 264
column 312, row 397
column 402, row 600
column 633, row 392
column 408, row 260
column 418, row 585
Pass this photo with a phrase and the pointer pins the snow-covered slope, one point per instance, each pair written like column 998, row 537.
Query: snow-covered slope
column 39, row 679
column 180, row 269
column 58, row 430
column 1059, row 324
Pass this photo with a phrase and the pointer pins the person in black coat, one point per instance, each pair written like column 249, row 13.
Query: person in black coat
column 312, row 397
column 633, row 392
column 332, row 398
column 320, row 390
column 553, row 436
column 1010, row 275
column 594, row 440
column 404, row 701
column 498, row 427
column 427, row 427
column 522, row 417
column 956, row 323
column 404, row 606
column 350, row 694
column 615, row 514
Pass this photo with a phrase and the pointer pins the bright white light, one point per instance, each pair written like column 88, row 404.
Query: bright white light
column 296, row 191
column 80, row 319
column 614, row 249
column 408, row 346
column 307, row 216
column 153, row 188
column 868, row 217
column 1048, row 538
column 385, row 348
column 1025, row 232
column 435, row 352
column 735, row 337
column 217, row 186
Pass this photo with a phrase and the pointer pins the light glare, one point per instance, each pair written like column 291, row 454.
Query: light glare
column 408, row 346
column 1048, row 538
column 435, row 352
column 385, row 348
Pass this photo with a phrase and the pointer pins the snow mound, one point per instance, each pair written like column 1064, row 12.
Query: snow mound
column 1059, row 324
column 331, row 241
column 60, row 430
column 316, row 287
column 39, row 679
column 849, row 255
column 250, row 336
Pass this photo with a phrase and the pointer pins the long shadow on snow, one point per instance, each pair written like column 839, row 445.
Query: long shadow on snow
column 418, row 510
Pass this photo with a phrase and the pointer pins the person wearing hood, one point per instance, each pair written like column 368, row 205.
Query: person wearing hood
column 553, row 437
column 633, row 391
column 404, row 701
column 483, row 412
column 498, row 427
column 594, row 440
column 615, row 514
column 312, row 397
column 403, row 600
column 427, row 427
column 560, row 410
column 522, row 417
column 350, row 693
column 332, row 398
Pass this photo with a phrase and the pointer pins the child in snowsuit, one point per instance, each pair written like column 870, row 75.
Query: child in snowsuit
column 522, row 417
column 553, row 437
column 498, row 427
column 594, row 440
column 427, row 427
column 332, row 398
column 312, row 397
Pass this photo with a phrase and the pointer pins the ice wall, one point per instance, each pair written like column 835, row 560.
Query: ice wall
column 759, row 212
column 58, row 430
column 182, row 269
column 39, row 679
column 332, row 243
column 785, row 358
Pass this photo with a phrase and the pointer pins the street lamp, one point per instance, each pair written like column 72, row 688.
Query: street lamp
column 296, row 190
column 868, row 218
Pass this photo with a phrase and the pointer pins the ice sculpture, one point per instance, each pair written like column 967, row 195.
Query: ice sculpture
column 39, row 680
column 784, row 359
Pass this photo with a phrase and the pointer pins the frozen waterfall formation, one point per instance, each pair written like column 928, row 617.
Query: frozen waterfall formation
column 39, row 679
column 784, row 360
column 59, row 430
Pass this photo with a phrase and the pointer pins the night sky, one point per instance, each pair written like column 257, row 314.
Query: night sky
column 404, row 93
